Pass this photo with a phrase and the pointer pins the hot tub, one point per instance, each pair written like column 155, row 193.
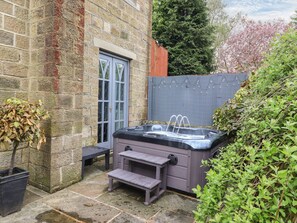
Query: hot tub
column 185, row 147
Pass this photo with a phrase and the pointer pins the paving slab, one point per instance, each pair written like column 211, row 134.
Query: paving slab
column 126, row 218
column 130, row 200
column 80, row 207
column 165, row 216
column 27, row 214
column 92, row 186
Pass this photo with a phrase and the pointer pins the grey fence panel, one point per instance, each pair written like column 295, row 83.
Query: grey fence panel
column 194, row 96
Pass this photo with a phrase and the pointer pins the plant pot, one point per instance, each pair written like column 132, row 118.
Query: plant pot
column 12, row 190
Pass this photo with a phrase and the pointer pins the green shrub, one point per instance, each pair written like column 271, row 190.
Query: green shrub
column 255, row 178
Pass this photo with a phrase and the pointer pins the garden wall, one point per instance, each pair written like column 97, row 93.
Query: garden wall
column 196, row 96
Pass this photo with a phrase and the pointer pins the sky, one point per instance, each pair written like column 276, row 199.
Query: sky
column 262, row 9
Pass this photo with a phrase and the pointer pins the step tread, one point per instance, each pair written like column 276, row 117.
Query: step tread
column 134, row 178
column 144, row 157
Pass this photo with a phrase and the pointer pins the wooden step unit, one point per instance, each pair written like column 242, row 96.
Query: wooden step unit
column 136, row 180
column 157, row 185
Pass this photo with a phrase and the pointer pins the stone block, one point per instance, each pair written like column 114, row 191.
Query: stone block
column 57, row 144
column 71, row 86
column 14, row 25
column 9, row 54
column 36, row 14
column 6, row 7
column 77, row 127
column 6, row 156
column 45, row 85
column 22, row 94
column 65, row 43
column 6, row 38
column 107, row 27
column 61, row 128
column 24, row 84
column 124, row 35
column 45, row 26
column 71, row 174
column 9, row 83
column 39, row 176
column 74, row 60
column 65, row 101
column 66, row 71
column 22, row 42
column 18, row 2
column 39, row 158
column 56, row 179
column 14, row 69
column 78, row 101
column 39, row 3
column 57, row 115
column 77, row 154
column 61, row 159
column 38, row 42
column 49, row 10
column 72, row 142
column 97, row 22
column 21, row 13
column 73, row 115
column 24, row 57
column 78, row 74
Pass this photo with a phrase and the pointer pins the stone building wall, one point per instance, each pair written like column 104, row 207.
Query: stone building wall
column 14, row 61
column 125, row 24
column 49, row 52
column 56, row 77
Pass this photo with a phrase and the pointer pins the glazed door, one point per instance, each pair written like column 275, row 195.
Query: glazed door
column 112, row 98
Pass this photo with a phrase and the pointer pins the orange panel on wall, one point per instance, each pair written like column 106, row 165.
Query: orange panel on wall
column 159, row 60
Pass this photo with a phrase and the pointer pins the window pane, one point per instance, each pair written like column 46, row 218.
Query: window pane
column 117, row 91
column 116, row 126
column 100, row 112
column 122, row 111
column 117, row 112
column 122, row 91
column 99, row 133
column 100, row 90
column 106, row 111
column 123, row 76
column 105, row 132
column 102, row 65
column 106, row 88
column 107, row 74
column 119, row 70
column 117, row 74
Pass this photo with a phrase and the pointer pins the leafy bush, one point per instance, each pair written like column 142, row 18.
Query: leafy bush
column 20, row 122
column 255, row 178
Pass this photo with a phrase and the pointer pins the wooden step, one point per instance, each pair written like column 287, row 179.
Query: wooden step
column 134, row 179
column 144, row 158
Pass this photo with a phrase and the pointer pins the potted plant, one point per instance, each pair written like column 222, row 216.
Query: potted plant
column 19, row 123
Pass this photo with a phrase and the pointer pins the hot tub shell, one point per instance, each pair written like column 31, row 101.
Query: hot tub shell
column 185, row 171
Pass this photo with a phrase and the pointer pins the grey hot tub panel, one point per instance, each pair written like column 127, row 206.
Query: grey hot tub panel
column 185, row 171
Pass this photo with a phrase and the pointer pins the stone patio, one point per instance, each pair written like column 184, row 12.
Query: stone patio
column 89, row 201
